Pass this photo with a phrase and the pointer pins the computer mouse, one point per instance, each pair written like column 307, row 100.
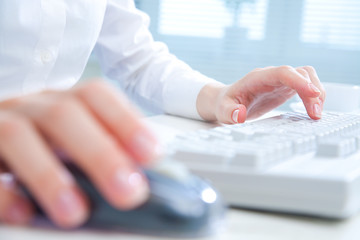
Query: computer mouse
column 185, row 206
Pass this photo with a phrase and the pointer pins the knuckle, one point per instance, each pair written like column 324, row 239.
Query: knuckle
column 284, row 72
column 91, row 87
column 106, row 148
column 50, row 92
column 257, row 69
column 303, row 72
column 11, row 125
column 285, row 68
column 309, row 69
column 11, row 103
column 58, row 108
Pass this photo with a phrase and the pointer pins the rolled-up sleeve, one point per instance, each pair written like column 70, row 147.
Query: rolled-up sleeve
column 150, row 75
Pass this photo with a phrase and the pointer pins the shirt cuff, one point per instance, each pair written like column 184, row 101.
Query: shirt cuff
column 180, row 96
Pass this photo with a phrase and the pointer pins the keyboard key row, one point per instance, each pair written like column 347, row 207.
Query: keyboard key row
column 265, row 143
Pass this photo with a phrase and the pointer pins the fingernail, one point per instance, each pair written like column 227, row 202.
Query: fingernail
column 70, row 206
column 7, row 180
column 235, row 116
column 313, row 88
column 317, row 110
column 132, row 186
column 146, row 145
column 17, row 213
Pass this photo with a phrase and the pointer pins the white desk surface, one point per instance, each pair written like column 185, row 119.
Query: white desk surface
column 240, row 224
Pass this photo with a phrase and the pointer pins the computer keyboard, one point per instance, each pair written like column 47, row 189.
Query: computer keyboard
column 288, row 163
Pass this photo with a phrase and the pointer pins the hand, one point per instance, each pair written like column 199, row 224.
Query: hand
column 260, row 91
column 96, row 127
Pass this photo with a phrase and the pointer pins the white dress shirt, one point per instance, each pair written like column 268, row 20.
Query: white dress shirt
column 45, row 44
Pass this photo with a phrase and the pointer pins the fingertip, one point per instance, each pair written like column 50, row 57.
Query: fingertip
column 70, row 209
column 129, row 189
column 239, row 114
column 314, row 109
column 317, row 111
column 145, row 147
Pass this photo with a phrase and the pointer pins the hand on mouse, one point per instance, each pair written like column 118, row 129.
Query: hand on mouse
column 94, row 126
column 260, row 91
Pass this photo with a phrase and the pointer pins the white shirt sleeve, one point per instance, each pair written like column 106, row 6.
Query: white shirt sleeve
column 38, row 39
column 146, row 70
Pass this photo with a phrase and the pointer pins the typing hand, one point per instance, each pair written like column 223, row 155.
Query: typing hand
column 94, row 126
column 260, row 91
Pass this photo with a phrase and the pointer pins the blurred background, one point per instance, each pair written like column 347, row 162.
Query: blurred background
column 225, row 39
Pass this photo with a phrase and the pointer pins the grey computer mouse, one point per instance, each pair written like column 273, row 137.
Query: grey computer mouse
column 188, row 207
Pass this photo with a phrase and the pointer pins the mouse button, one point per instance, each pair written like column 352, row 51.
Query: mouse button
column 174, row 196
column 172, row 168
column 169, row 189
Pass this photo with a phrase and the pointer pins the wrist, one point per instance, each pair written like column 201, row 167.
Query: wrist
column 207, row 100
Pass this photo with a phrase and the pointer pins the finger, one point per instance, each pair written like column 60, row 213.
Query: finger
column 122, row 119
column 239, row 114
column 74, row 129
column 313, row 105
column 14, row 208
column 231, row 113
column 316, row 81
column 290, row 77
column 300, row 81
column 33, row 163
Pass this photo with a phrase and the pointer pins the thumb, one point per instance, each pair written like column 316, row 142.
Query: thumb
column 233, row 113
column 238, row 114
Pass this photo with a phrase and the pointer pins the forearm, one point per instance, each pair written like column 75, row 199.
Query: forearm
column 150, row 75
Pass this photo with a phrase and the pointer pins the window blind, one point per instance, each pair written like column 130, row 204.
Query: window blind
column 334, row 25
column 210, row 18
column 225, row 39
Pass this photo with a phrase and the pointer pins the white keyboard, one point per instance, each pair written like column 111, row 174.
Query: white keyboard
column 288, row 163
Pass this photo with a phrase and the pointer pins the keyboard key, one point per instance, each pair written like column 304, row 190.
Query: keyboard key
column 336, row 147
